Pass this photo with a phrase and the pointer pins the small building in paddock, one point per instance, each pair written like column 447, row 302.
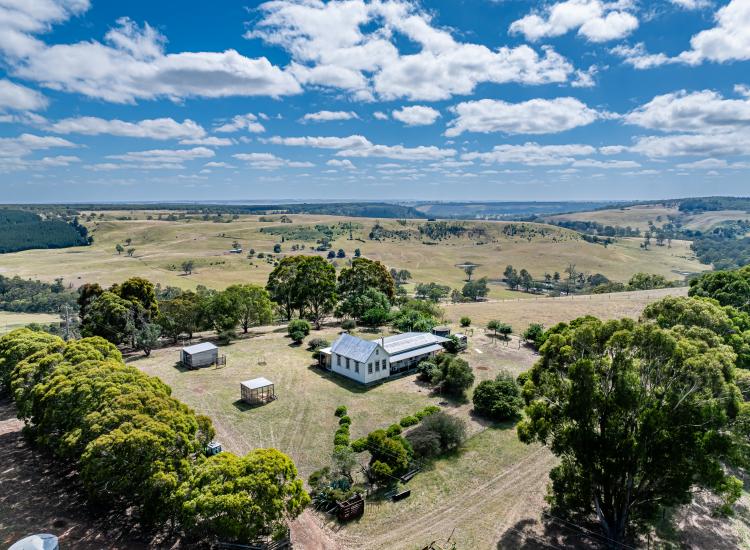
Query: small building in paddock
column 199, row 355
column 257, row 391
column 213, row 448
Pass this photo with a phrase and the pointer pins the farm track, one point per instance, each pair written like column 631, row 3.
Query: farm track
column 472, row 507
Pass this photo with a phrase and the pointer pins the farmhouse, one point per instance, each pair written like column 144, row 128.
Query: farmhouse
column 368, row 361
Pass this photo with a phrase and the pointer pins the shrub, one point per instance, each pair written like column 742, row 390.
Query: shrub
column 381, row 472
column 742, row 379
column 425, row 370
column 409, row 421
column 345, row 420
column 454, row 376
column 348, row 324
column 359, row 445
column 298, row 325
column 315, row 344
column 498, row 399
column 340, row 411
column 225, row 336
column 375, row 317
column 425, row 442
column 450, row 429
column 534, row 334
column 342, row 436
column 393, row 429
column 465, row 321
column 297, row 336
column 427, row 411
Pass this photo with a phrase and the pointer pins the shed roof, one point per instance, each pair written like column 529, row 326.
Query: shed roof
column 353, row 347
column 415, row 352
column 400, row 343
column 198, row 348
column 256, row 383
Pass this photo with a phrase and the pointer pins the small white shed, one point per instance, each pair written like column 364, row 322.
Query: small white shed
column 199, row 355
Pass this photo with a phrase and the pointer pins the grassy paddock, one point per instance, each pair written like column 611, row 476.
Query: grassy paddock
column 10, row 320
column 161, row 246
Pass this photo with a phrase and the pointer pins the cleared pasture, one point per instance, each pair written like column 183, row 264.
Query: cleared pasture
column 10, row 320
column 162, row 246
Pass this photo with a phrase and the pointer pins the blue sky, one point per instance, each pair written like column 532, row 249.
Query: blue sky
column 381, row 99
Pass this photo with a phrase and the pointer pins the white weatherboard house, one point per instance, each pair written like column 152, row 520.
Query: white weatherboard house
column 369, row 361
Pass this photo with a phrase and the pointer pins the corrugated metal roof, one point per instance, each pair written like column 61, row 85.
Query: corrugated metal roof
column 353, row 347
column 256, row 383
column 410, row 340
column 197, row 348
column 415, row 352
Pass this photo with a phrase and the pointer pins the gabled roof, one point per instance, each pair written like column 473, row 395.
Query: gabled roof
column 197, row 348
column 353, row 347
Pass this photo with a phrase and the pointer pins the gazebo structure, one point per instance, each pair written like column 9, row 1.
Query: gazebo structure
column 257, row 391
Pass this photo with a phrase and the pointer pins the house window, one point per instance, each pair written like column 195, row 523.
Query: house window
column 377, row 351
column 338, row 360
column 356, row 366
column 347, row 363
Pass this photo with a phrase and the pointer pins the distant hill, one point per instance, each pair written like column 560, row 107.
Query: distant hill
column 507, row 210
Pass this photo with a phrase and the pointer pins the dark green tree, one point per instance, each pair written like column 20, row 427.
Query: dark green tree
column 637, row 415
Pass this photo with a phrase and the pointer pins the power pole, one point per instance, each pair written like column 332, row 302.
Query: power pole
column 65, row 313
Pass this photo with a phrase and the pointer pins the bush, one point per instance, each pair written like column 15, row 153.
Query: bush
column 425, row 442
column 340, row 411
column 742, row 379
column 498, row 399
column 375, row 317
column 381, row 472
column 427, row 411
column 348, row 324
column 465, row 321
column 409, row 421
column 450, row 429
column 534, row 334
column 454, row 376
column 425, row 370
column 393, row 429
column 342, row 436
column 345, row 420
column 359, row 445
column 315, row 344
column 297, row 336
column 298, row 325
column 225, row 336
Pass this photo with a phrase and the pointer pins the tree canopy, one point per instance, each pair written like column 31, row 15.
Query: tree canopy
column 637, row 414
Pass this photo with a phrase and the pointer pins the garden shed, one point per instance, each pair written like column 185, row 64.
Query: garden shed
column 199, row 355
column 257, row 391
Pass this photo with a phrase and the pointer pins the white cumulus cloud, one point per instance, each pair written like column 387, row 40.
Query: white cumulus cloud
column 326, row 116
column 157, row 128
column 536, row 116
column 416, row 115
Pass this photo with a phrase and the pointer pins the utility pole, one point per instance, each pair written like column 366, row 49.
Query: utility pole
column 65, row 313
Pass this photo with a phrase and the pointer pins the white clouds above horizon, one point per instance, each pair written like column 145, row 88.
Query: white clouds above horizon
column 416, row 115
column 536, row 116
column 248, row 122
column 131, row 64
column 269, row 161
column 595, row 20
column 369, row 64
column 361, row 147
column 728, row 40
column 327, row 116
column 20, row 98
column 159, row 128
column 532, row 153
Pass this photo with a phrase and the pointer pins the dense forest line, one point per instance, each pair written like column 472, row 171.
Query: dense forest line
column 709, row 204
column 23, row 230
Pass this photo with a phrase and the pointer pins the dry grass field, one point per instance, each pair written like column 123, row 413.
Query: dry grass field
column 10, row 320
column 520, row 313
column 639, row 216
column 635, row 216
column 161, row 246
